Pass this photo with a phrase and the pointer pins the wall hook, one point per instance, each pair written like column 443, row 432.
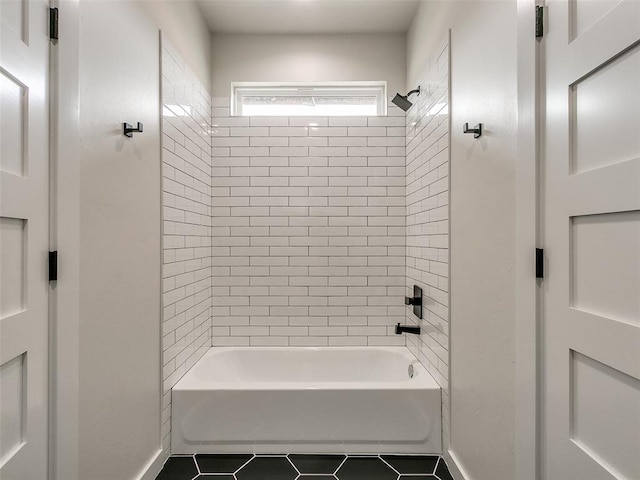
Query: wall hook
column 129, row 130
column 477, row 130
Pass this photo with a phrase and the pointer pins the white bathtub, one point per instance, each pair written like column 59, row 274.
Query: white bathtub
column 306, row 400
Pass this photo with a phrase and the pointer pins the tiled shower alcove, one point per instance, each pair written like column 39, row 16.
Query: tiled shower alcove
column 290, row 231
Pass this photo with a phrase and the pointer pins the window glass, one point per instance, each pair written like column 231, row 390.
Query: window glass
column 305, row 100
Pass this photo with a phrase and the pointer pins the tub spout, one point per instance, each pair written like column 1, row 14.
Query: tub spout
column 407, row 329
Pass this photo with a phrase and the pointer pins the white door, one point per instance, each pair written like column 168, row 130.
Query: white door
column 24, row 226
column 590, row 180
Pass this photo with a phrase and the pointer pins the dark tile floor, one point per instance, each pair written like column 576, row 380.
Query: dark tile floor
column 305, row 467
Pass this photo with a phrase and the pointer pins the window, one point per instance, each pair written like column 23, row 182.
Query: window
column 326, row 99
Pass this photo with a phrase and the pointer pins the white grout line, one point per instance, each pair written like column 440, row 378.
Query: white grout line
column 440, row 459
column 193, row 457
column 217, row 474
column 253, row 455
column 390, row 466
column 335, row 474
column 294, row 466
column 317, row 475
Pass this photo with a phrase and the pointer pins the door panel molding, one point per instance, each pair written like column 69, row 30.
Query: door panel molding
column 589, row 229
column 24, row 192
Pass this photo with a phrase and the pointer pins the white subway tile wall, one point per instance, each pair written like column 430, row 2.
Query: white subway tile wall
column 186, row 202
column 427, row 261
column 308, row 229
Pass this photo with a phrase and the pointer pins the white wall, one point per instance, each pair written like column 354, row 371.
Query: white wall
column 307, row 58
column 119, row 235
column 483, row 89
column 119, row 242
column 182, row 22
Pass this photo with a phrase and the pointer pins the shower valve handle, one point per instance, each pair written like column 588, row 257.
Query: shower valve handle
column 412, row 301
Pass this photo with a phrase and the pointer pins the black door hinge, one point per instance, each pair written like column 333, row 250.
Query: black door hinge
column 53, row 23
column 539, row 263
column 53, row 266
column 539, row 21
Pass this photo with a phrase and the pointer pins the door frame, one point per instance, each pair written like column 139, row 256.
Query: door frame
column 527, row 239
column 64, row 303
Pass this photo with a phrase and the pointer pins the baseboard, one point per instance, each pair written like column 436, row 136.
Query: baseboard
column 151, row 471
column 454, row 466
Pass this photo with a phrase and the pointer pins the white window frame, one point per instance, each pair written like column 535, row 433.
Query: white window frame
column 242, row 89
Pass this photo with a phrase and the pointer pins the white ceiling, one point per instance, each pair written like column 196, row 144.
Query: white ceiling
column 308, row 16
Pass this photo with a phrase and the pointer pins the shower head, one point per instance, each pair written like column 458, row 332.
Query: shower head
column 402, row 101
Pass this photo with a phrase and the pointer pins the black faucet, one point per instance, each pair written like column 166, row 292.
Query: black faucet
column 407, row 329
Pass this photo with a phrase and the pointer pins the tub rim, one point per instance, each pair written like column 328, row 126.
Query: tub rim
column 422, row 379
